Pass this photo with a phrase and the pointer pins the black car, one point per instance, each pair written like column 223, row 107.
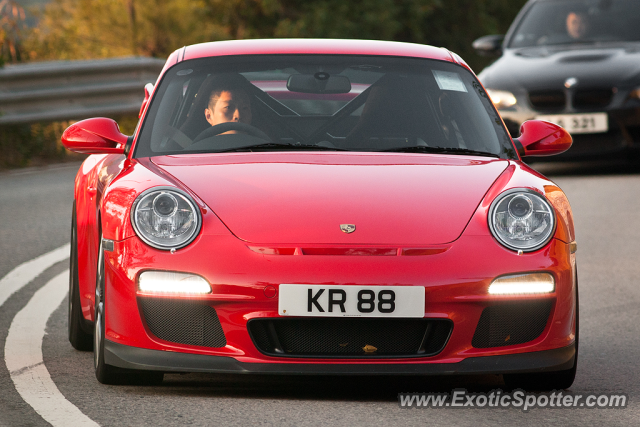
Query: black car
column 572, row 62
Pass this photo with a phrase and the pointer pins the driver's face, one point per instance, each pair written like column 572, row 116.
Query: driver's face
column 577, row 25
column 232, row 106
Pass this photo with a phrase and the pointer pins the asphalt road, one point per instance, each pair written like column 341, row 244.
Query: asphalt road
column 35, row 208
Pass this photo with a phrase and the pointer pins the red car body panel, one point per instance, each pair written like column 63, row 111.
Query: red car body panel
column 239, row 295
column 235, row 287
column 313, row 47
column 394, row 198
column 256, row 234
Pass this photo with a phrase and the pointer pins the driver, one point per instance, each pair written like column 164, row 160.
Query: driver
column 228, row 103
column 577, row 25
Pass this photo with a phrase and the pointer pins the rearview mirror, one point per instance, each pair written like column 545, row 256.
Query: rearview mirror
column 320, row 82
column 95, row 136
column 540, row 138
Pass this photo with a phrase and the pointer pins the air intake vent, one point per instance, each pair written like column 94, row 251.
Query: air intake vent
column 183, row 322
column 350, row 337
column 511, row 323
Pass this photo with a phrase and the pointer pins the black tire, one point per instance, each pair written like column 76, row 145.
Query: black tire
column 547, row 381
column 80, row 337
column 107, row 374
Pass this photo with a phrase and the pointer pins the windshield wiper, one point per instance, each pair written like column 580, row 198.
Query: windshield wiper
column 439, row 150
column 269, row 145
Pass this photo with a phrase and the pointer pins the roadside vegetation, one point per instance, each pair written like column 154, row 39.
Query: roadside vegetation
column 89, row 29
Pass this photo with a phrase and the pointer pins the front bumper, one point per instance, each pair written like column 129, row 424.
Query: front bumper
column 455, row 291
column 127, row 357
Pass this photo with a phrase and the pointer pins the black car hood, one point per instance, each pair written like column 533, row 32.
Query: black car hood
column 611, row 65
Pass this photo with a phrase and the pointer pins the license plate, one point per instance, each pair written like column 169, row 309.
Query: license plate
column 351, row 301
column 580, row 123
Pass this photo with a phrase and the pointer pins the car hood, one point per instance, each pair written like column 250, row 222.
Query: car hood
column 615, row 65
column 293, row 198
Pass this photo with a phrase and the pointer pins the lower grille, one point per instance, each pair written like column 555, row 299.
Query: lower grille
column 350, row 337
column 511, row 323
column 183, row 321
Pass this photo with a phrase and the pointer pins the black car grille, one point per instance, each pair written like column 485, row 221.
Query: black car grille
column 554, row 101
column 183, row 322
column 588, row 99
column 511, row 323
column 547, row 100
column 350, row 337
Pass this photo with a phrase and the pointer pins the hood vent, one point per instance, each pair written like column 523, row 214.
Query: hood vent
column 584, row 58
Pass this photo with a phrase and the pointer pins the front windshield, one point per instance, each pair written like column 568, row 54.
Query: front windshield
column 562, row 22
column 321, row 102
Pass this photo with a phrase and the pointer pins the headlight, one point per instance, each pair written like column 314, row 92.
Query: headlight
column 165, row 218
column 501, row 98
column 635, row 94
column 522, row 220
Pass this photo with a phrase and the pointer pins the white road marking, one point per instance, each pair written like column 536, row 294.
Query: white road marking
column 23, row 348
column 26, row 272
column 23, row 356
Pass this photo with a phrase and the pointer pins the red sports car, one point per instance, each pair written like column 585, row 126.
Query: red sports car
column 321, row 207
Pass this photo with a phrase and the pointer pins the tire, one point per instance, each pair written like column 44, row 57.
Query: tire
column 80, row 336
column 547, row 381
column 107, row 374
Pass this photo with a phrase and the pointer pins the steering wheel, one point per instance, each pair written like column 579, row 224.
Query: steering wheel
column 227, row 126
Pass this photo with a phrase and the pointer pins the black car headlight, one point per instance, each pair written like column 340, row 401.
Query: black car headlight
column 165, row 218
column 522, row 220
column 502, row 99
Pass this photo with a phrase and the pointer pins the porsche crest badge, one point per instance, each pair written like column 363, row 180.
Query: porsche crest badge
column 348, row 228
column 369, row 349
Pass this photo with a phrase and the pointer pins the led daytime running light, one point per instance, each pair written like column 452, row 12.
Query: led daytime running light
column 165, row 282
column 521, row 284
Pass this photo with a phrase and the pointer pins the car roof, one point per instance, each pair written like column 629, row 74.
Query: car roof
column 314, row 46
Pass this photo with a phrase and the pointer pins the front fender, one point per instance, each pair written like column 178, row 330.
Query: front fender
column 519, row 175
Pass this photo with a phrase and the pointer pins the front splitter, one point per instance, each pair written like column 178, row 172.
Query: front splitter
column 155, row 360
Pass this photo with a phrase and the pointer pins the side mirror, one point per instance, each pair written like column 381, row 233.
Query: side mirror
column 95, row 136
column 540, row 138
column 489, row 45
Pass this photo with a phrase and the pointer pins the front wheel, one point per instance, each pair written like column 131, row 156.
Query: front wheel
column 79, row 335
column 107, row 374
column 104, row 373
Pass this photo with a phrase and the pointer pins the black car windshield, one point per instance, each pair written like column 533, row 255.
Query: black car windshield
column 549, row 23
column 321, row 102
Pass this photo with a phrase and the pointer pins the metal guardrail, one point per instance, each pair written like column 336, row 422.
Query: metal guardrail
column 69, row 90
